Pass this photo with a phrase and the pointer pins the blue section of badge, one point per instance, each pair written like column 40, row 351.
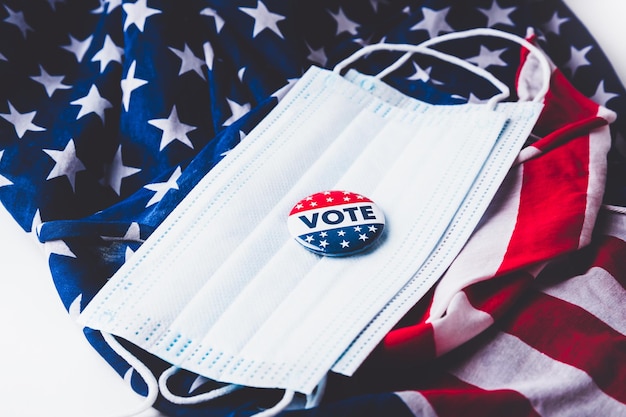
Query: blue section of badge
column 342, row 241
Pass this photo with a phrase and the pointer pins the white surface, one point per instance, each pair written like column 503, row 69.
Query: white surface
column 50, row 370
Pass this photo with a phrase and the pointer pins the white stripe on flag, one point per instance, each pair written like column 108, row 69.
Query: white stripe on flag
column 419, row 406
column 482, row 255
column 598, row 293
column 553, row 388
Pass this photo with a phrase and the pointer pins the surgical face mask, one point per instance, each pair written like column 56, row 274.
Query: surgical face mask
column 223, row 290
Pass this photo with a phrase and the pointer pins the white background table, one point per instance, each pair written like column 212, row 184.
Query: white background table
column 49, row 369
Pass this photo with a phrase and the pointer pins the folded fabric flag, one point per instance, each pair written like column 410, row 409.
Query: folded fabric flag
column 110, row 112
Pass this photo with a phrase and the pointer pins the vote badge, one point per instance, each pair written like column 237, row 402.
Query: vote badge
column 336, row 223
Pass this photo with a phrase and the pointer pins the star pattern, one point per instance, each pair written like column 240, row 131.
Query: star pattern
column 78, row 48
column 130, row 84
column 173, row 129
column 110, row 52
column 17, row 19
column 344, row 24
column 116, row 171
column 434, row 22
column 22, row 122
column 263, row 19
column 161, row 188
column 189, row 62
column 66, row 163
column 93, row 102
column 137, row 13
column 50, row 83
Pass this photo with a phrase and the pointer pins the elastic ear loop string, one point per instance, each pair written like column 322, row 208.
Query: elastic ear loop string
column 424, row 48
column 196, row 399
column 141, row 369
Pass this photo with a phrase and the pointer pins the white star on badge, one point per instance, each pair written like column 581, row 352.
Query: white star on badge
column 93, row 102
column 263, row 19
column 345, row 244
column 173, row 129
column 343, row 23
column 117, row 171
column 22, row 122
column 498, row 15
column 66, row 163
column 363, row 237
column 323, row 234
column 189, row 62
column 78, row 48
column 17, row 19
column 50, row 82
column 434, row 22
column 341, row 233
column 324, row 243
column 110, row 52
column 137, row 13
column 486, row 57
column 309, row 239
column 161, row 188
column 372, row 228
column 237, row 110
column 130, row 84
column 578, row 59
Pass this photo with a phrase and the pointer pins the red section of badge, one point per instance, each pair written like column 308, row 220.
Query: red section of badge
column 327, row 199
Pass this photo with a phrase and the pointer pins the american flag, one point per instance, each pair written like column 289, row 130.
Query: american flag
column 111, row 111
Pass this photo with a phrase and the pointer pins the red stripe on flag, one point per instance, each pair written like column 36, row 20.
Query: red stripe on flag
column 571, row 335
column 452, row 397
column 496, row 296
column 552, row 206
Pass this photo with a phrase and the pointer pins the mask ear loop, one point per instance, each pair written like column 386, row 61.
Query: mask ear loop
column 141, row 369
column 424, row 48
column 196, row 399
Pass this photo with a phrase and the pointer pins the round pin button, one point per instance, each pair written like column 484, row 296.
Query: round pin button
column 336, row 223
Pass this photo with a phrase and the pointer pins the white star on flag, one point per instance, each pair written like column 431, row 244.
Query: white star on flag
column 343, row 23
column 173, row 129
column 22, row 122
column 93, row 102
column 161, row 188
column 263, row 19
column 602, row 96
column 420, row 74
column 137, row 13
column 486, row 57
column 554, row 24
column 498, row 15
column 317, row 56
column 189, row 62
column 434, row 22
column 117, row 171
column 50, row 82
column 219, row 22
column 4, row 181
column 17, row 19
column 237, row 111
column 78, row 48
column 130, row 84
column 66, row 163
column 110, row 52
column 578, row 59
